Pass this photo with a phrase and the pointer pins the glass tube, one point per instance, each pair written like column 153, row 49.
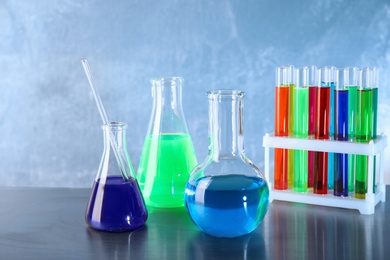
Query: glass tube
column 301, row 130
column 282, row 95
column 332, row 83
column 320, row 185
column 375, row 114
column 351, row 77
column 313, row 86
column 341, row 134
column 291, row 129
column 363, row 128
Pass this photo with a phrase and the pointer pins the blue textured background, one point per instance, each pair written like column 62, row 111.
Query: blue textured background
column 49, row 124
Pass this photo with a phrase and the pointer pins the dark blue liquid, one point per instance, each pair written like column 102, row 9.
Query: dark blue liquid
column 341, row 116
column 341, row 134
column 341, row 174
column 228, row 205
column 116, row 205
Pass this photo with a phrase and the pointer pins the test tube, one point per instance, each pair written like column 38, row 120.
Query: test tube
column 375, row 114
column 375, row 84
column 332, row 83
column 313, row 86
column 301, row 130
column 320, row 185
column 351, row 77
column 291, row 129
column 363, row 128
column 341, row 134
column 282, row 95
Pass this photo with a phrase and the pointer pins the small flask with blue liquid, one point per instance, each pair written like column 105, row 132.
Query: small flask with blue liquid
column 226, row 195
column 116, row 203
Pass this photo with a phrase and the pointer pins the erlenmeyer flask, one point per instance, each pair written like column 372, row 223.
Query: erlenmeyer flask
column 226, row 195
column 116, row 203
column 168, row 154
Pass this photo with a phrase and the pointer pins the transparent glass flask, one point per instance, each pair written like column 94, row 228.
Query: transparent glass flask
column 226, row 195
column 116, row 203
column 168, row 155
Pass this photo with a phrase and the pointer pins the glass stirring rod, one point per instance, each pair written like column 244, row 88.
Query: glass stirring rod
column 104, row 117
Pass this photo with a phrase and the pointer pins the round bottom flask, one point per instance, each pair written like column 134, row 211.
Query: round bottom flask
column 226, row 195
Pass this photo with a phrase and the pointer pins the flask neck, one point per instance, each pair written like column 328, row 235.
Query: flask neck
column 167, row 93
column 115, row 159
column 226, row 133
column 167, row 114
column 117, row 131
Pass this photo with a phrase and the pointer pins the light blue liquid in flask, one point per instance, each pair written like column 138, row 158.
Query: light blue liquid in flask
column 226, row 195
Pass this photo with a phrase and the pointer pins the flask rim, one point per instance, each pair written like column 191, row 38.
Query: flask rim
column 115, row 125
column 160, row 81
column 234, row 93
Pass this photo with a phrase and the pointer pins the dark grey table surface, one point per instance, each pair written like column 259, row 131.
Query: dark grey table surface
column 48, row 223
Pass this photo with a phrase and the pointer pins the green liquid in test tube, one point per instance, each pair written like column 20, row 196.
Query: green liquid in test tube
column 301, row 130
column 363, row 129
column 351, row 76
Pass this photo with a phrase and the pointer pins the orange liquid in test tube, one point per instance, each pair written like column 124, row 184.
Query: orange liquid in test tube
column 281, row 129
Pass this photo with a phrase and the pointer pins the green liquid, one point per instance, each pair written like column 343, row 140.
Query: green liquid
column 351, row 172
column 361, row 179
column 374, row 111
column 363, row 135
column 300, row 171
column 291, row 133
column 364, row 116
column 301, row 130
column 165, row 165
column 352, row 106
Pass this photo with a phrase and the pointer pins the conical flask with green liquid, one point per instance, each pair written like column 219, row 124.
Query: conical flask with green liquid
column 168, row 155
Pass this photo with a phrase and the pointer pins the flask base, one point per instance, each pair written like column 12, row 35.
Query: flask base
column 116, row 205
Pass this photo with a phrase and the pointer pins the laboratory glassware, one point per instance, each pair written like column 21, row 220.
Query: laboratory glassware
column 116, row 203
column 331, row 83
column 291, row 128
column 226, row 195
column 313, row 87
column 375, row 115
column 351, row 81
column 301, row 129
column 282, row 95
column 340, row 170
column 168, row 154
column 363, row 128
column 320, row 185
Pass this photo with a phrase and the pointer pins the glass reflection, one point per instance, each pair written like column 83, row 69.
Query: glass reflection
column 107, row 245
column 167, row 234
column 250, row 246
column 315, row 232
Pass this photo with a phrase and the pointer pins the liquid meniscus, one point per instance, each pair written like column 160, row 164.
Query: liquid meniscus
column 228, row 205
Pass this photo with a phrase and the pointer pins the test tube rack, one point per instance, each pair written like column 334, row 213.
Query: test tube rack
column 373, row 148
